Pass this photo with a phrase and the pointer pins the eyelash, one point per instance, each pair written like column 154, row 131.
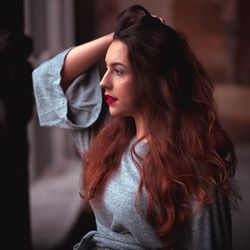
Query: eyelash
column 118, row 72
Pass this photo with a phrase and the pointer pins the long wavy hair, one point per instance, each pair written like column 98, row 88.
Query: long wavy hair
column 189, row 154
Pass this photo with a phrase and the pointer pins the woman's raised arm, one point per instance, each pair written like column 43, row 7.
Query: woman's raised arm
column 82, row 57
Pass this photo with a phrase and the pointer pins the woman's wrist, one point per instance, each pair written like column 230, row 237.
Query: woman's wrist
column 82, row 57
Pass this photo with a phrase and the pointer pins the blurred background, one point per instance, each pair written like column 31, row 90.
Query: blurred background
column 43, row 210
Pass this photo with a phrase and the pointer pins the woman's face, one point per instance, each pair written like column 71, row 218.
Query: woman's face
column 118, row 81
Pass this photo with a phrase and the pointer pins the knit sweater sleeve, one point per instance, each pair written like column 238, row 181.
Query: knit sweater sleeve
column 210, row 228
column 78, row 107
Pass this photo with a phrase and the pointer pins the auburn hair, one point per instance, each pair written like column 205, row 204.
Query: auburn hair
column 189, row 153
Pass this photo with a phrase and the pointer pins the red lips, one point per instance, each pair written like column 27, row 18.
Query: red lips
column 110, row 99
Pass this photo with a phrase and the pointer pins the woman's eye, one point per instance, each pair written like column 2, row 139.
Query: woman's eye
column 118, row 72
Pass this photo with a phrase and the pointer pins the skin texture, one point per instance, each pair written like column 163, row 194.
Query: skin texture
column 118, row 85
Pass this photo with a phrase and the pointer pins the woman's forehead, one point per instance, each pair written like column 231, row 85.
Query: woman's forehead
column 117, row 53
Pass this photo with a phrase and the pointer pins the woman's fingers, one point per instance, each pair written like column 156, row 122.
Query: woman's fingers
column 160, row 18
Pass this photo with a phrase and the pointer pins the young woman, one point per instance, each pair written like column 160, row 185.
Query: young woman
column 157, row 170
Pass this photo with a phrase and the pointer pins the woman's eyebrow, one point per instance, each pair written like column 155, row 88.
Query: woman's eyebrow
column 114, row 64
column 118, row 64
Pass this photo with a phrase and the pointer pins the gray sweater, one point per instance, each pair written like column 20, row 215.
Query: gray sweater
column 120, row 224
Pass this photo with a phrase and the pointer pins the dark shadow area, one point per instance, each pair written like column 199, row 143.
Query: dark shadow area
column 16, row 105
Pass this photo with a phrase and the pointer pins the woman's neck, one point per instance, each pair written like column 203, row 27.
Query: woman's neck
column 140, row 126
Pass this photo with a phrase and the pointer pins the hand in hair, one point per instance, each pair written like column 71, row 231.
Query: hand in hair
column 160, row 18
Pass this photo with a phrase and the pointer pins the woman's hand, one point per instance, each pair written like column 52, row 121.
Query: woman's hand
column 160, row 18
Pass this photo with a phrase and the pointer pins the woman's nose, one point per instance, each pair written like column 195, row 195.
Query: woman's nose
column 105, row 82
